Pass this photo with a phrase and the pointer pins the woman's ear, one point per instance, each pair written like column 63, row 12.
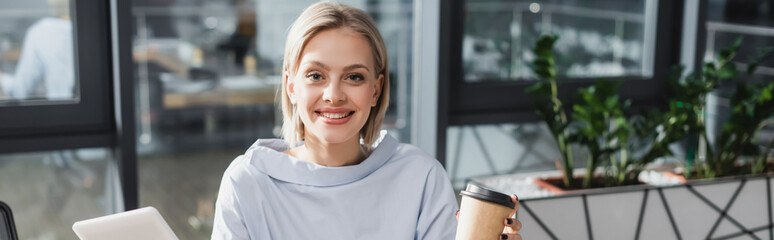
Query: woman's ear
column 289, row 87
column 377, row 90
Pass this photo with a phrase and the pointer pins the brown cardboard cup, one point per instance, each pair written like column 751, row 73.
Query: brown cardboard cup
column 482, row 213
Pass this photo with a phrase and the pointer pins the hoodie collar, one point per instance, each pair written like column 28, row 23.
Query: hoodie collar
column 267, row 156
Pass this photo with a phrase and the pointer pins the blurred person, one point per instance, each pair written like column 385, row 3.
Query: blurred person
column 45, row 68
column 241, row 42
column 335, row 175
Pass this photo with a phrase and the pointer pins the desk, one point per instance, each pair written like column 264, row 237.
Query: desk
column 179, row 114
column 229, row 91
column 219, row 97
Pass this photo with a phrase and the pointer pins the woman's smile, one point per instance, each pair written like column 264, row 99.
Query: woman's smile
column 334, row 116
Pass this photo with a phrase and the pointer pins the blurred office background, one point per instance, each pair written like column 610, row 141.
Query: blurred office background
column 205, row 74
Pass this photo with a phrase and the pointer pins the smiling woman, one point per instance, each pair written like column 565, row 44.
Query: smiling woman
column 364, row 47
column 319, row 182
column 334, row 93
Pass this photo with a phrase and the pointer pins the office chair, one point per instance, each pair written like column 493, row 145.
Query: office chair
column 7, row 228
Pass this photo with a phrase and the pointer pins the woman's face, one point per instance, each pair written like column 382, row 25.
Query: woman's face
column 335, row 86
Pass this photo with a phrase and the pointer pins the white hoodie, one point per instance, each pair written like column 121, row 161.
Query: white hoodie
column 398, row 192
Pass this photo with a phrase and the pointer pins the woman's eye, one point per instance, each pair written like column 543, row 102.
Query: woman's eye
column 314, row 76
column 355, row 77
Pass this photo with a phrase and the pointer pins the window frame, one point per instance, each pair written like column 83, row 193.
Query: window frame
column 89, row 114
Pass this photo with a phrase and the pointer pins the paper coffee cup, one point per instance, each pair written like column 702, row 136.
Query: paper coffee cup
column 482, row 213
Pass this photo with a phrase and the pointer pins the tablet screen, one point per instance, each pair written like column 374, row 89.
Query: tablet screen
column 144, row 223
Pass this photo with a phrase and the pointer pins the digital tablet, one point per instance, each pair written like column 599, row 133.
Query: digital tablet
column 7, row 228
column 143, row 223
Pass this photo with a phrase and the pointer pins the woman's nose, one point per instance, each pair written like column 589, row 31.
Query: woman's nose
column 333, row 93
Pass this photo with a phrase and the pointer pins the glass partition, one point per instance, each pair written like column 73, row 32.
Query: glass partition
column 49, row 191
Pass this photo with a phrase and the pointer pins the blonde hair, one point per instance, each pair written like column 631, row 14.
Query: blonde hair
column 317, row 18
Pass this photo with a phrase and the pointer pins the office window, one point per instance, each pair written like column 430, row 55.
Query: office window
column 36, row 52
column 597, row 38
column 728, row 20
column 487, row 69
column 49, row 191
column 206, row 78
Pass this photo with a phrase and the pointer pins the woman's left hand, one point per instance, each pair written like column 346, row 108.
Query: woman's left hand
column 512, row 225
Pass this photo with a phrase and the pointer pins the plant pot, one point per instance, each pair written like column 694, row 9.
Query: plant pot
column 550, row 184
column 555, row 184
column 679, row 177
column 738, row 170
column 685, row 148
column 721, row 208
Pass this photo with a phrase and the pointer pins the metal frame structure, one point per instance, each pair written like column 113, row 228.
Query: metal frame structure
column 123, row 92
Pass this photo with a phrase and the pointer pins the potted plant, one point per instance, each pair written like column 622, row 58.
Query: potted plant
column 553, row 114
column 751, row 105
column 600, row 126
column 622, row 145
column 723, row 205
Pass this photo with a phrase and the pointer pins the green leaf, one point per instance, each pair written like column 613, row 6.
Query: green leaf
column 546, row 42
column 726, row 54
column 766, row 93
column 539, row 89
column 543, row 62
column 749, row 109
column 737, row 43
column 709, row 70
column 728, row 71
column 611, row 102
column 627, row 104
column 580, row 110
column 763, row 54
column 544, row 47
column 544, row 73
